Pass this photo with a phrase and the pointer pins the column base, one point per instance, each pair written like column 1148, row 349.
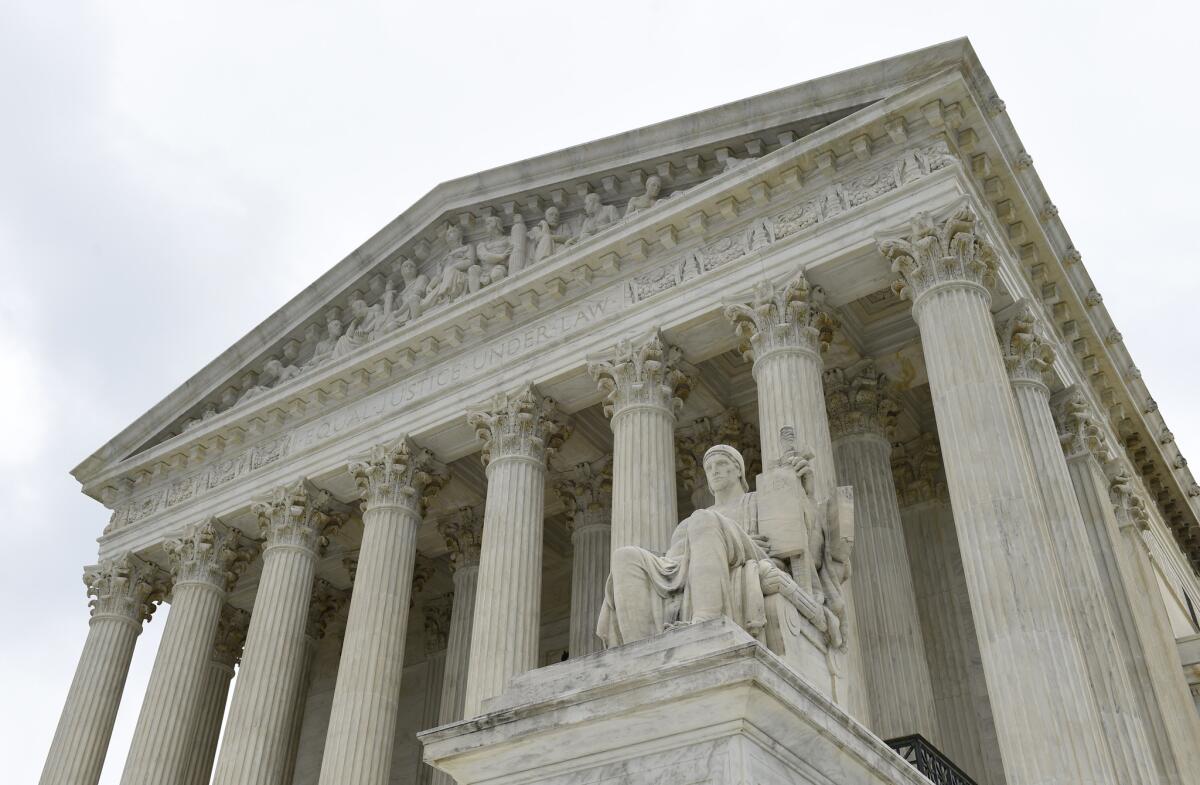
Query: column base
column 704, row 703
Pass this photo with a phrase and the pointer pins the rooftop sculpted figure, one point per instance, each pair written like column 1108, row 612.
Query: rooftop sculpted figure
column 596, row 217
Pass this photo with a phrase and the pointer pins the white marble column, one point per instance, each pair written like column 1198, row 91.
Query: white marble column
column 586, row 490
column 326, row 605
column 1048, row 726
column 1130, row 589
column 955, row 670
column 295, row 521
column 861, row 416
column 783, row 332
column 519, row 430
column 437, row 632
column 205, row 562
column 124, row 592
column 395, row 480
column 226, row 652
column 645, row 382
column 464, row 537
column 1028, row 357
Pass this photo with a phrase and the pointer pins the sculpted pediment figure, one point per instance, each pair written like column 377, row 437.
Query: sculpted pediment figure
column 731, row 558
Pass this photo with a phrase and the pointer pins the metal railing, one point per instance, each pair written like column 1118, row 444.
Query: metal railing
column 927, row 759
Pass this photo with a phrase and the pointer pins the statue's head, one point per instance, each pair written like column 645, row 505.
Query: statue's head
column 453, row 236
column 408, row 269
column 591, row 203
column 653, row 186
column 723, row 467
column 493, row 225
column 552, row 215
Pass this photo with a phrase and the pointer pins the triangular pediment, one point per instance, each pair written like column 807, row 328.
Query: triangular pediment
column 479, row 214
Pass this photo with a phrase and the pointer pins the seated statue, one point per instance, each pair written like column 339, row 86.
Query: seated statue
column 365, row 320
column 596, row 218
column 460, row 271
column 720, row 563
column 647, row 200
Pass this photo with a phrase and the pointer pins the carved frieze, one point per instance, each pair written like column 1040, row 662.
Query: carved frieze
column 490, row 355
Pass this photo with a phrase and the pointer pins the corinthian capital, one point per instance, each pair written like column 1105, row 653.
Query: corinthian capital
column 125, row 586
column 298, row 515
column 398, row 474
column 210, row 552
column 586, row 491
column 1127, row 502
column 522, row 424
column 789, row 317
column 917, row 469
column 1078, row 431
column 231, row 636
column 939, row 251
column 1027, row 356
column 326, row 603
column 649, row 372
column 437, row 622
column 464, row 537
column 858, row 401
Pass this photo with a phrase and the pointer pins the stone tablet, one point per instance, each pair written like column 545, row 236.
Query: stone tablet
column 785, row 511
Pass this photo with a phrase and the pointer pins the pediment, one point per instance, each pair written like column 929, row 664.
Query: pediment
column 483, row 211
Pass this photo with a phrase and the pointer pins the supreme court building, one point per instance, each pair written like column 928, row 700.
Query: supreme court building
column 393, row 507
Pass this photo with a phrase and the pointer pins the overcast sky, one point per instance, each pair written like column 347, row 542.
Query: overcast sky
column 172, row 173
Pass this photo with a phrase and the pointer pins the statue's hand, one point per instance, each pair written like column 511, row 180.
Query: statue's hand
column 772, row 581
column 801, row 463
column 762, row 541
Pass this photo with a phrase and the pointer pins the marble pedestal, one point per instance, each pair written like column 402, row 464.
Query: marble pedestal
column 701, row 704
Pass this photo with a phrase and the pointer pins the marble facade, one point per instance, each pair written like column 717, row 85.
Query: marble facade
column 394, row 505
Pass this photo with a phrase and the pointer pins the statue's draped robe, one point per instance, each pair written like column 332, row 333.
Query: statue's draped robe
column 712, row 568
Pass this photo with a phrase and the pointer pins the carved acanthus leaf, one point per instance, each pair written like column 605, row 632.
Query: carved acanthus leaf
column 939, row 251
column 398, row 473
column 437, row 622
column 125, row 586
column 522, row 424
column 326, row 603
column 917, row 471
column 788, row 317
column 860, row 401
column 586, row 491
column 1127, row 501
column 1079, row 431
column 650, row 372
column 463, row 533
column 231, row 636
column 210, row 552
column 1028, row 357
column 300, row 515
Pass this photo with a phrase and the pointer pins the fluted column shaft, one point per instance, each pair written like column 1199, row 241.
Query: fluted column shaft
column 645, row 382
column 435, row 674
column 1143, row 630
column 85, row 726
column 959, row 690
column 645, row 506
column 519, row 431
column 458, row 647
column 81, row 739
column 1048, row 726
column 366, row 700
column 205, row 562
column 163, row 736
column 124, row 590
column 506, row 630
column 1120, row 714
column 209, row 716
column 893, row 651
column 261, row 714
column 458, row 652
column 589, row 570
